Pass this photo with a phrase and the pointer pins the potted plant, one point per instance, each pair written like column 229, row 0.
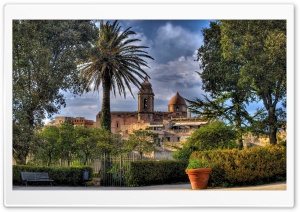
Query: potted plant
column 198, row 172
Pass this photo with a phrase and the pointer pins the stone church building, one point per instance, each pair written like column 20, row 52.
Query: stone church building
column 173, row 125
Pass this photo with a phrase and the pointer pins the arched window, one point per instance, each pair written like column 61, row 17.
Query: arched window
column 145, row 103
column 177, row 108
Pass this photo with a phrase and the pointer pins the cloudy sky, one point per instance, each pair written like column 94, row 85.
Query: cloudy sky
column 173, row 45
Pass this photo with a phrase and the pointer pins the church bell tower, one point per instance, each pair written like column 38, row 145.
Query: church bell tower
column 145, row 102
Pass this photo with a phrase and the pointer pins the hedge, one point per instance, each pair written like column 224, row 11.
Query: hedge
column 144, row 173
column 250, row 166
column 65, row 176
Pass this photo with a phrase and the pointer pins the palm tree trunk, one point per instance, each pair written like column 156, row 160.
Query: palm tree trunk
column 105, row 121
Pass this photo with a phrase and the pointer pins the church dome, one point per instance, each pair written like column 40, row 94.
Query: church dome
column 177, row 100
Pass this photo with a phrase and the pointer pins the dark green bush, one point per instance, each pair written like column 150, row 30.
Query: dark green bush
column 144, row 173
column 245, row 167
column 66, row 176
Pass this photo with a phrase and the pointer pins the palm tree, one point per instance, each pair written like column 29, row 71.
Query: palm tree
column 115, row 63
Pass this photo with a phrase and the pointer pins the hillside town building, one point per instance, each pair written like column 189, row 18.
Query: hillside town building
column 77, row 121
column 173, row 125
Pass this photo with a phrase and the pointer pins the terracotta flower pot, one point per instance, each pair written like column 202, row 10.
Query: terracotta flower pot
column 198, row 177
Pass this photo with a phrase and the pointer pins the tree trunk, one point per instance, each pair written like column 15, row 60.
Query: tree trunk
column 238, row 125
column 272, row 119
column 240, row 144
column 85, row 159
column 20, row 159
column 50, row 159
column 105, row 121
column 272, row 135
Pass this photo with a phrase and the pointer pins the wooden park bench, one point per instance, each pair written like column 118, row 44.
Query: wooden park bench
column 35, row 177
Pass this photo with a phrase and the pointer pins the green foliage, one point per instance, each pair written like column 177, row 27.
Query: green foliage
column 259, row 46
column 66, row 176
column 216, row 135
column 46, row 147
column 68, row 142
column 195, row 163
column 144, row 173
column 84, row 144
column 23, row 135
column 106, row 142
column 245, row 167
column 45, row 53
column 221, row 77
column 142, row 141
column 115, row 63
column 185, row 152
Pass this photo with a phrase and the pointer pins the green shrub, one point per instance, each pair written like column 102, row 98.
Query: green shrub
column 195, row 163
column 144, row 173
column 71, row 176
column 245, row 167
column 216, row 135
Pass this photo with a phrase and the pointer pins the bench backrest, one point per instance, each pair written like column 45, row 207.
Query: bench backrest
column 34, row 175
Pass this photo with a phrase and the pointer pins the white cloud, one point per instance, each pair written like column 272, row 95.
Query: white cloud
column 181, row 59
column 174, row 41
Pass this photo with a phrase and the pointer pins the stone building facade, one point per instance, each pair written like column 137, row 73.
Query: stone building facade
column 173, row 125
column 77, row 121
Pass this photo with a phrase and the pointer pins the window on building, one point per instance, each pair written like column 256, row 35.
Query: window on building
column 117, row 124
column 177, row 108
column 145, row 103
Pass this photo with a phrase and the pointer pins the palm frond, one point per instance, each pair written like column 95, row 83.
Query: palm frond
column 115, row 55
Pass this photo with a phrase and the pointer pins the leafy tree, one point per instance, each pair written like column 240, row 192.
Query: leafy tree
column 259, row 46
column 46, row 147
column 45, row 53
column 23, row 135
column 216, row 135
column 115, row 63
column 221, row 77
column 67, row 142
column 92, row 142
column 85, row 145
column 142, row 141
column 104, row 141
